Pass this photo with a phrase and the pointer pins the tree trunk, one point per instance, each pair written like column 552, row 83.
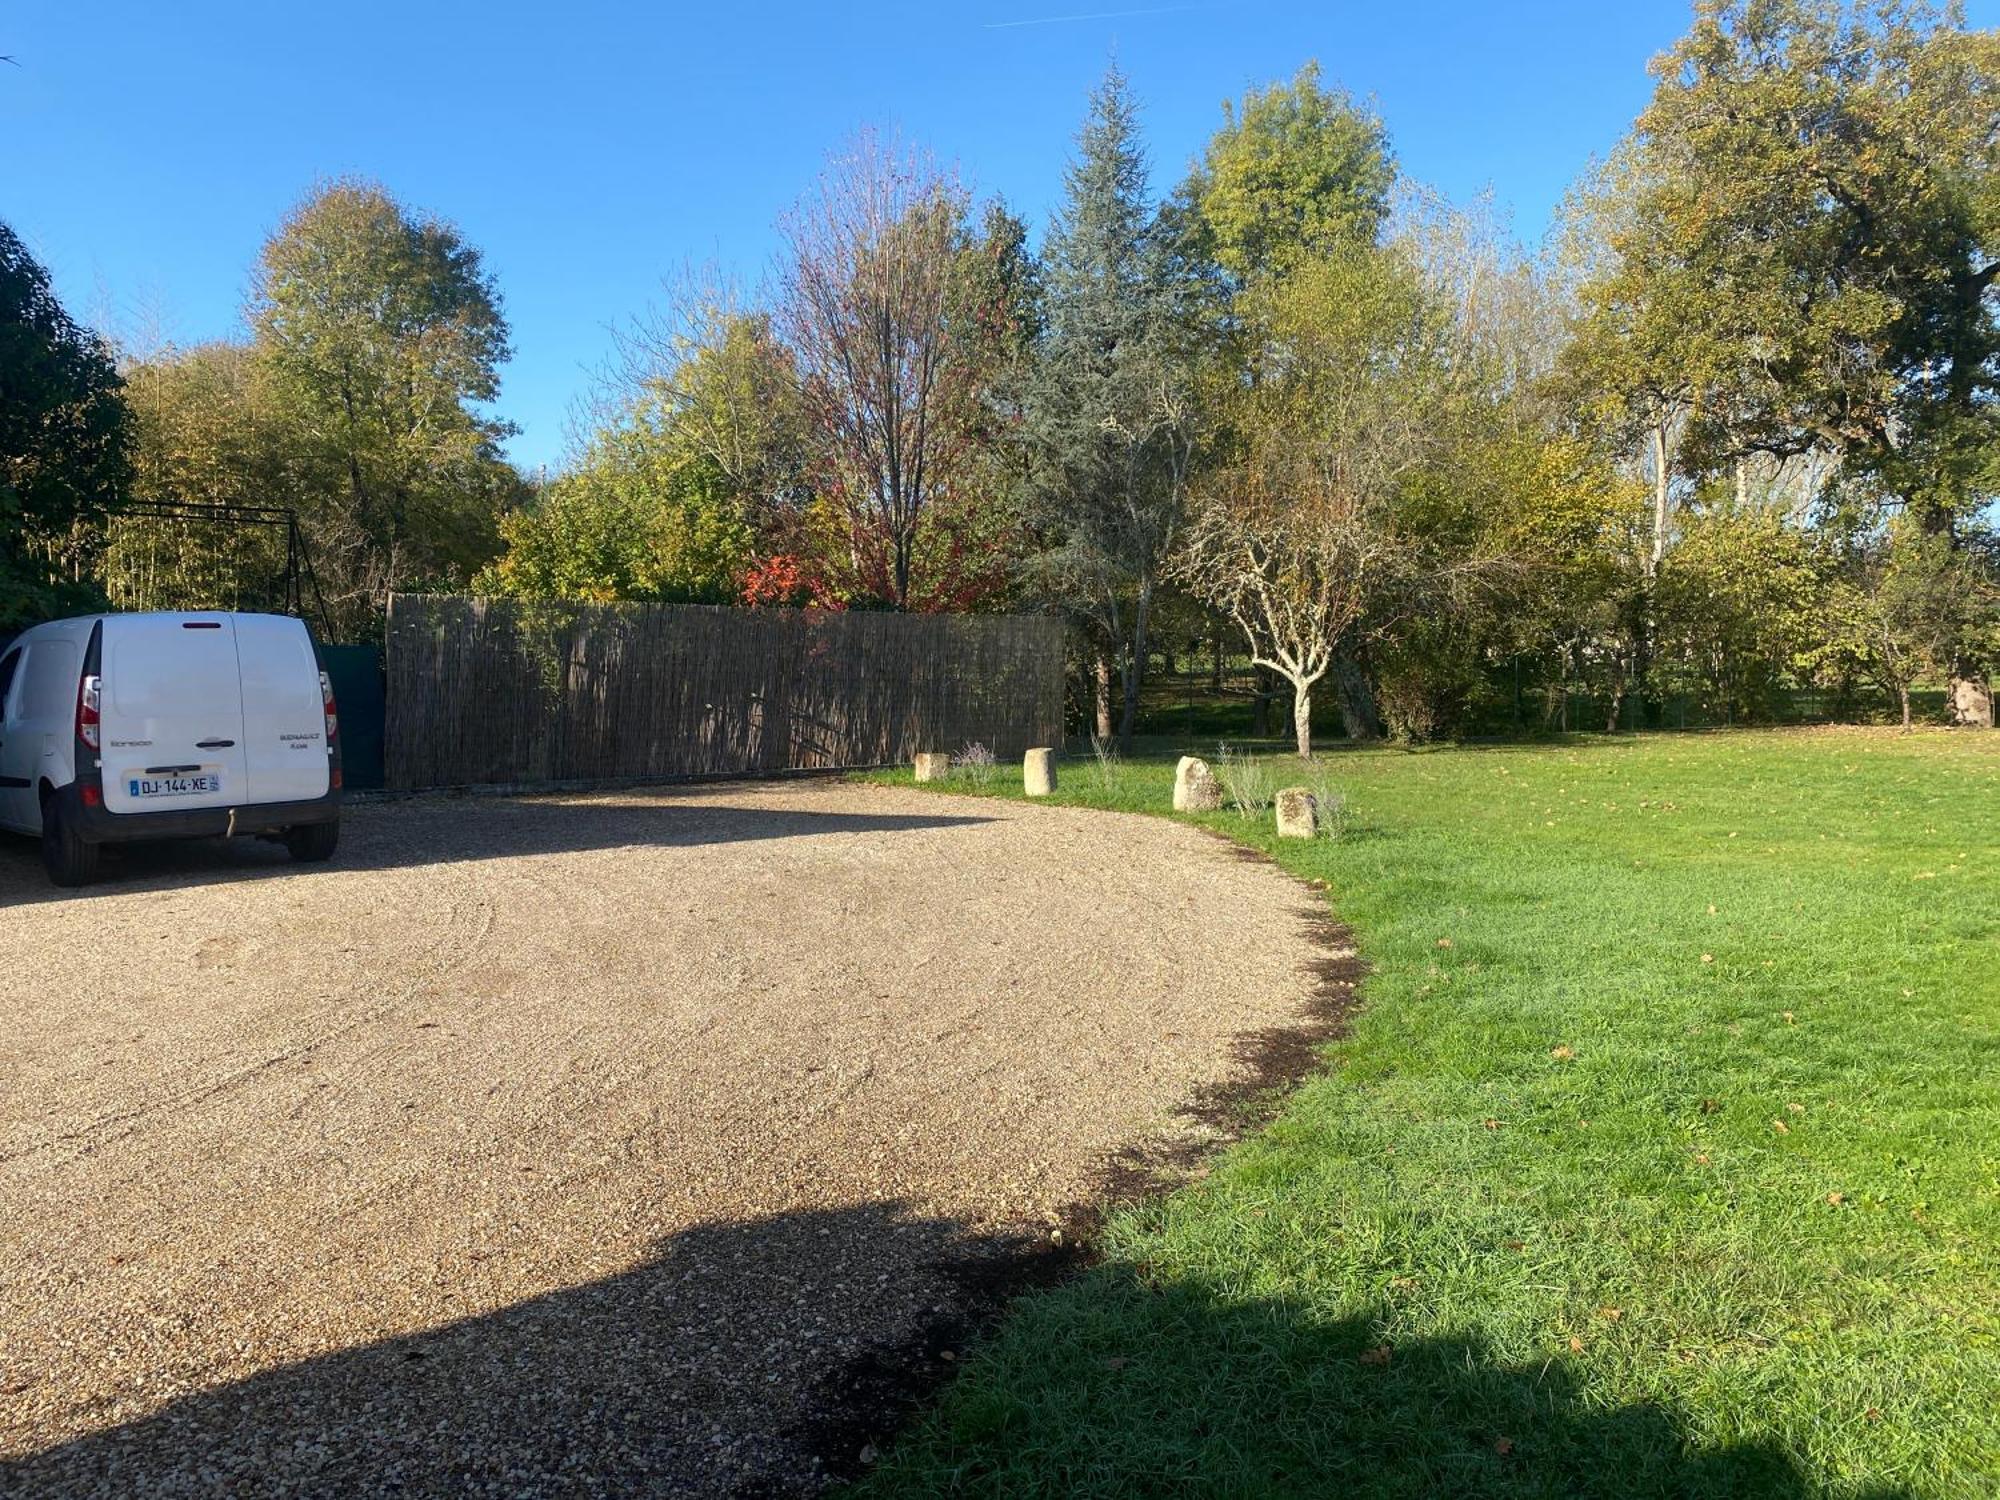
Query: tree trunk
column 1101, row 674
column 1903, row 692
column 1135, row 666
column 1356, row 701
column 1302, row 718
column 1661, row 495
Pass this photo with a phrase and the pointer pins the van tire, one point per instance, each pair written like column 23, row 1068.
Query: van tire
column 70, row 861
column 313, row 843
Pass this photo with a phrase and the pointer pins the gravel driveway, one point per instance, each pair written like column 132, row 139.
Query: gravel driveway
column 583, row 1145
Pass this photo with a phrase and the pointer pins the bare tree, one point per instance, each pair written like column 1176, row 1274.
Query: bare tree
column 1293, row 573
column 866, row 310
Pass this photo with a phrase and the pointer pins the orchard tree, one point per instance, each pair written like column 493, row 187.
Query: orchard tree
column 65, row 442
column 1302, row 534
column 1110, row 418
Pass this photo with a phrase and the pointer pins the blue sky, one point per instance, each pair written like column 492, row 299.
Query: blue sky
column 146, row 150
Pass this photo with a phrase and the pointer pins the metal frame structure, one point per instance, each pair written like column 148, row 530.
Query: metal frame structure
column 299, row 576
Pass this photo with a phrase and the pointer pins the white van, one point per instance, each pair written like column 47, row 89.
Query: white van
column 160, row 726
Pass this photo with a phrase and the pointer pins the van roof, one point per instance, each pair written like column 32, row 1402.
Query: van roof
column 74, row 623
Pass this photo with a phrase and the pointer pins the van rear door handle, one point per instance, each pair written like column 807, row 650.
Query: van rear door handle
column 213, row 744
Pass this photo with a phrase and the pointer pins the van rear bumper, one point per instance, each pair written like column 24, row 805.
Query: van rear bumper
column 99, row 825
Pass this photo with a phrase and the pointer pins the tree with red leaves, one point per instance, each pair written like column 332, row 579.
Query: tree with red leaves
column 897, row 343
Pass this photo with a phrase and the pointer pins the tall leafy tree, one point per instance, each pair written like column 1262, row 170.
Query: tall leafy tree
column 382, row 335
column 1807, row 264
column 1297, row 169
column 64, row 442
column 1110, row 414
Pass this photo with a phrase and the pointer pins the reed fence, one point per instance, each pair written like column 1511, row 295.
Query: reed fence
column 484, row 691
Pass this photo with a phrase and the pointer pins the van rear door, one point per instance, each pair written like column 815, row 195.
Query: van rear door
column 284, row 712
column 172, row 710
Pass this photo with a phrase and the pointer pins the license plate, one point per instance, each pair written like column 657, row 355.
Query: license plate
column 147, row 788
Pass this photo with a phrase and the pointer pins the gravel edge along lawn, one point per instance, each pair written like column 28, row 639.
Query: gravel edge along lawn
column 1663, row 1156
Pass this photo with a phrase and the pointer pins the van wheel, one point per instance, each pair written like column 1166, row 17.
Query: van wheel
column 69, row 860
column 313, row 843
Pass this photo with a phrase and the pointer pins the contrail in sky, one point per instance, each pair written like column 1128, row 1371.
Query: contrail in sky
column 1095, row 15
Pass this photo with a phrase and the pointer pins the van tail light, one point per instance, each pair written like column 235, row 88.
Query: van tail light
column 91, row 793
column 88, row 697
column 327, row 704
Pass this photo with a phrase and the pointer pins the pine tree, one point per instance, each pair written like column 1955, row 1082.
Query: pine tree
column 1109, row 420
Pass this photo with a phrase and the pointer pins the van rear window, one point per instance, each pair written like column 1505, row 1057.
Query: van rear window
column 50, row 691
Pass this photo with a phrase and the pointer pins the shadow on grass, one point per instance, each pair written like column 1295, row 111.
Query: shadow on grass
column 1113, row 1388
column 444, row 830
column 766, row 1357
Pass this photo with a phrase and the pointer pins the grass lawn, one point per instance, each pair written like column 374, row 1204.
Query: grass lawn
column 1663, row 1157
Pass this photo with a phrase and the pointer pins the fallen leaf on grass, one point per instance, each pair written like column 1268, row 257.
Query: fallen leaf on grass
column 1503, row 1446
column 1517, row 1244
column 1611, row 1314
column 1444, row 942
column 1562, row 1054
column 1701, row 1157
column 1708, row 958
column 1781, row 1127
column 1491, row 1124
column 1379, row 1355
column 1873, row 1414
column 1710, row 1106
column 1796, row 1109
column 1790, row 1019
column 1403, row 1283
column 1575, row 1344
column 1836, row 1199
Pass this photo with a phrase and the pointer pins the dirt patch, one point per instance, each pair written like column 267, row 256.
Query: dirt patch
column 593, row 1145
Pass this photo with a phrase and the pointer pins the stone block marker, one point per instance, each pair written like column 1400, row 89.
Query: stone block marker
column 933, row 765
column 1038, row 772
column 1298, row 813
column 1195, row 786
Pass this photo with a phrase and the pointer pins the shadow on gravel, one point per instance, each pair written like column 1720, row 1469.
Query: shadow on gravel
column 678, row 1379
column 682, row 1377
column 447, row 830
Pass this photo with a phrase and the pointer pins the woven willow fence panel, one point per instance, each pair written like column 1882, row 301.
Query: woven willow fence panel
column 515, row 691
